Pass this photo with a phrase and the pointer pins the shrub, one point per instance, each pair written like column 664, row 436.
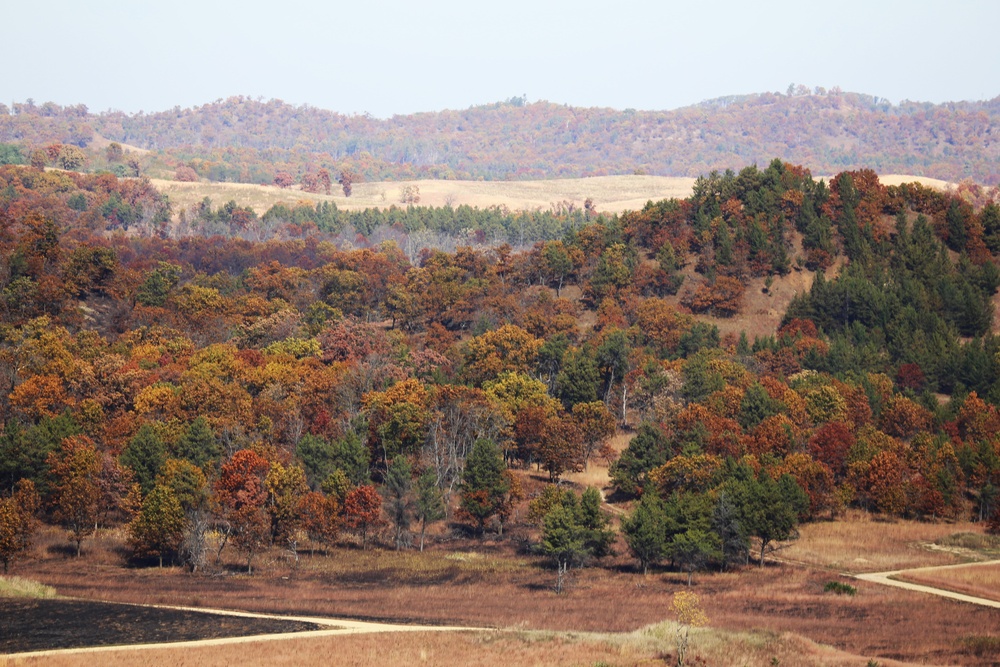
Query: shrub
column 186, row 174
column 982, row 645
column 839, row 588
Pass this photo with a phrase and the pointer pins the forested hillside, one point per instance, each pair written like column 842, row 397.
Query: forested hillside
column 241, row 139
column 271, row 387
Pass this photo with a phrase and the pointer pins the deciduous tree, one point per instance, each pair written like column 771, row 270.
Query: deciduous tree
column 74, row 473
column 159, row 527
column 687, row 607
column 320, row 516
column 241, row 495
column 363, row 512
column 285, row 487
column 17, row 522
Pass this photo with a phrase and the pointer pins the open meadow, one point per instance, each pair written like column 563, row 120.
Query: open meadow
column 977, row 580
column 610, row 194
column 609, row 614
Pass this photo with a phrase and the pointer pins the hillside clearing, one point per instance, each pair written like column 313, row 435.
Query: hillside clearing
column 611, row 194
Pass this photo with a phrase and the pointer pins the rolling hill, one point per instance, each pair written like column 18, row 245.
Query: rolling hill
column 245, row 140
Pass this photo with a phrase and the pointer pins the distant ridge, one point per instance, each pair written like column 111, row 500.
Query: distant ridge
column 246, row 139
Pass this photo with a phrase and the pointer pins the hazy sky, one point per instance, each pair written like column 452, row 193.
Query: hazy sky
column 399, row 56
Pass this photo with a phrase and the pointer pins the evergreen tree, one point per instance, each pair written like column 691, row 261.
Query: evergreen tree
column 199, row 444
column 577, row 381
column 351, row 456
column 756, row 406
column 699, row 380
column 563, row 540
column 399, row 503
column 691, row 542
column 612, row 360
column 144, row 454
column 763, row 510
column 317, row 456
column 645, row 531
column 598, row 535
column 574, row 530
column 484, row 484
column 429, row 503
column 650, row 448
column 733, row 544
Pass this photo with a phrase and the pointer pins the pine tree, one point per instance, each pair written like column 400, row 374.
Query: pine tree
column 484, row 485
column 199, row 444
column 144, row 455
column 732, row 538
column 645, row 531
column 575, row 530
column 399, row 503
column 649, row 449
column 429, row 503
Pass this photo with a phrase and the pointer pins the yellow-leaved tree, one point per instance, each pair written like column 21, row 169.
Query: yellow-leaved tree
column 687, row 607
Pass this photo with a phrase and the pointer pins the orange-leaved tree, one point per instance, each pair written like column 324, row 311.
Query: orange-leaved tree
column 17, row 522
column 241, row 495
column 74, row 472
column 320, row 517
column 363, row 512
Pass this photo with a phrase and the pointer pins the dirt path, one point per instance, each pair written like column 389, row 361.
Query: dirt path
column 886, row 578
column 333, row 627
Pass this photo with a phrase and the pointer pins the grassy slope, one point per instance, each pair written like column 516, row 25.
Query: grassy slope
column 612, row 194
column 754, row 615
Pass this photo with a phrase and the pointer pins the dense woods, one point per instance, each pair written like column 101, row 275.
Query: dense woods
column 183, row 377
column 246, row 140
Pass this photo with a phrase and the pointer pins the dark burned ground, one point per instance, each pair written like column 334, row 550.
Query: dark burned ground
column 35, row 625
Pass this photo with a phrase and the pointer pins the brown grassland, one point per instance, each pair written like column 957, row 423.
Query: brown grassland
column 755, row 615
column 611, row 194
column 978, row 580
column 864, row 543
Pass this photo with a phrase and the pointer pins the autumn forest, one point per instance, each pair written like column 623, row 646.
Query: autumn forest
column 299, row 389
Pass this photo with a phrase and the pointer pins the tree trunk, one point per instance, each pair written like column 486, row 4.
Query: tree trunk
column 624, row 404
column 222, row 545
column 561, row 573
column 423, row 527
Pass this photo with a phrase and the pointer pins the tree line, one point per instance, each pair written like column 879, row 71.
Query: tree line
column 286, row 392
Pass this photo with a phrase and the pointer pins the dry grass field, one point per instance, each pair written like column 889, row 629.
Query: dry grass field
column 611, row 194
column 755, row 615
column 977, row 580
column 863, row 543
column 653, row 645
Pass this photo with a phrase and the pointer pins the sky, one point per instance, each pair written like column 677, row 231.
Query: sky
column 386, row 57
